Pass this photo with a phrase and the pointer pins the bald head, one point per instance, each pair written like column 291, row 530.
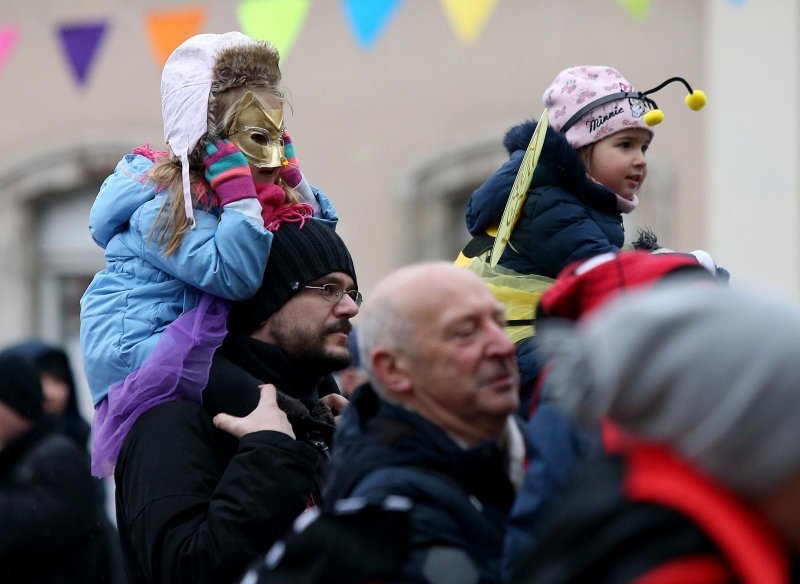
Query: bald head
column 401, row 283
column 432, row 337
column 402, row 298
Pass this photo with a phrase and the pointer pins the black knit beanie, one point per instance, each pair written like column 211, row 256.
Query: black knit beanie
column 20, row 388
column 299, row 255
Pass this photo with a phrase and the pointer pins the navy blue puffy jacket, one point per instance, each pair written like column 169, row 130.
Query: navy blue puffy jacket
column 566, row 216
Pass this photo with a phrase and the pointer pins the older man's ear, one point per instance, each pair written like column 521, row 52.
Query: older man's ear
column 391, row 371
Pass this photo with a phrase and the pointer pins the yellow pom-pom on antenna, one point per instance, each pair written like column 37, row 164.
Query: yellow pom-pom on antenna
column 696, row 100
column 653, row 117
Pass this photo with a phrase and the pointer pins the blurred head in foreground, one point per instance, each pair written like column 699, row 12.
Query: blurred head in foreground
column 709, row 371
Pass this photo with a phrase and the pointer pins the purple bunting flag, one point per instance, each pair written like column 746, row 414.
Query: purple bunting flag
column 80, row 45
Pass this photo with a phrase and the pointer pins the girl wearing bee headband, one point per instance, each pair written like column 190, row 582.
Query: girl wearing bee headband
column 591, row 169
column 185, row 230
column 592, row 166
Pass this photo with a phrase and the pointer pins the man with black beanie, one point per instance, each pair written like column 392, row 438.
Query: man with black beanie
column 203, row 489
column 52, row 523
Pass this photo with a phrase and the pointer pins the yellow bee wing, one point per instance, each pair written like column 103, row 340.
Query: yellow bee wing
column 519, row 192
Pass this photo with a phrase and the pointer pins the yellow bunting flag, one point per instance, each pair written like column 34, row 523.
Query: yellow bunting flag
column 276, row 21
column 167, row 29
column 636, row 9
column 468, row 17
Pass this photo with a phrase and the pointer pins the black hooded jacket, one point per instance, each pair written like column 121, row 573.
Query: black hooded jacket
column 460, row 496
column 49, row 359
column 196, row 505
column 53, row 527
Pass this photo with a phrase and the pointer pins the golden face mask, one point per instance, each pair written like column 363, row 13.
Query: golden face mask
column 258, row 132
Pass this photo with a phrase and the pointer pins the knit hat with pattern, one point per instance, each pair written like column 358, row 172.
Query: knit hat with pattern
column 300, row 253
column 586, row 285
column 577, row 87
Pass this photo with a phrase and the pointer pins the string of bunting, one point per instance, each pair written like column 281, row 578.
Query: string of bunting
column 279, row 21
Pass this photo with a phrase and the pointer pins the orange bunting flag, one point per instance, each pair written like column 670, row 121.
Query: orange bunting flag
column 9, row 34
column 167, row 29
column 468, row 17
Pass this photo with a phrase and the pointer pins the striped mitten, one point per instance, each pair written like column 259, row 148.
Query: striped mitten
column 228, row 173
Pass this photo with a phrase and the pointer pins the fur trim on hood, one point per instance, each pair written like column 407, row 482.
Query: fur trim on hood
column 559, row 163
column 559, row 166
column 250, row 64
column 254, row 64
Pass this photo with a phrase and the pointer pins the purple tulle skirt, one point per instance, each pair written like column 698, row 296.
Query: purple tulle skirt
column 177, row 369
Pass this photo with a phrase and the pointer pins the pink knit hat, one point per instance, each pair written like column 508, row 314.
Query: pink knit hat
column 588, row 103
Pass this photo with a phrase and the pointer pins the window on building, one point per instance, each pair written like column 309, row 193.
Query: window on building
column 67, row 259
column 436, row 199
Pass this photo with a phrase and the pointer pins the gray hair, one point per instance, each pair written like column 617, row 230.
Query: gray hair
column 711, row 371
column 381, row 323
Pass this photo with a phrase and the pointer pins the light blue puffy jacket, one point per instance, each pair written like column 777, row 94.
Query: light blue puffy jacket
column 140, row 292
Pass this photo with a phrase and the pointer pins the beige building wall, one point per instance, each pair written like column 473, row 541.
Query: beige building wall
column 399, row 135
column 753, row 149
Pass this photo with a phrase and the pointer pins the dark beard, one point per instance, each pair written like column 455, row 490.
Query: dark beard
column 320, row 362
column 317, row 359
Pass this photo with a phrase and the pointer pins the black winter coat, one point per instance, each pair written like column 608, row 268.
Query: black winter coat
column 53, row 527
column 194, row 504
column 460, row 497
column 566, row 217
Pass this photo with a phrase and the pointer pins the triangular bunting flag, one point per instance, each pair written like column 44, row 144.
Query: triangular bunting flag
column 636, row 9
column 9, row 34
column 468, row 17
column 368, row 18
column 80, row 42
column 169, row 28
column 276, row 21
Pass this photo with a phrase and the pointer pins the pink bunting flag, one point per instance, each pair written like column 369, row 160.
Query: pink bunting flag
column 80, row 43
column 9, row 34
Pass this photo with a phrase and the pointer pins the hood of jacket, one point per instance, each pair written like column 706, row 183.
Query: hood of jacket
column 559, row 163
column 121, row 194
column 559, row 166
column 46, row 358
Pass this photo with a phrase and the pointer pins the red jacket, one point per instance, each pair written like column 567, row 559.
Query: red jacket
column 646, row 516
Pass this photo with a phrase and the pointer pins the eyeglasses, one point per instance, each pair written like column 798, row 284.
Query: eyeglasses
column 334, row 293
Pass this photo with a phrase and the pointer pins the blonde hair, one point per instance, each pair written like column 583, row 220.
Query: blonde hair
column 585, row 154
column 171, row 223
